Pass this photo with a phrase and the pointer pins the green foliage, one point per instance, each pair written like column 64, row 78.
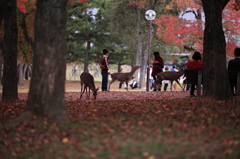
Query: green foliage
column 86, row 25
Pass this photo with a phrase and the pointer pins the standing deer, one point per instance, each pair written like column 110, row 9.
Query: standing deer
column 172, row 76
column 123, row 77
column 88, row 81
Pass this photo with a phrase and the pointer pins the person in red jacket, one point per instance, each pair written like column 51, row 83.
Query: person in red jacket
column 105, row 69
column 158, row 65
column 195, row 64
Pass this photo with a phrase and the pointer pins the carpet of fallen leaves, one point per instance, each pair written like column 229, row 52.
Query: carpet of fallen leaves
column 127, row 125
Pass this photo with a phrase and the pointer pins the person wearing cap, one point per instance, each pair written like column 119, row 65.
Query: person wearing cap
column 158, row 65
column 105, row 69
column 234, row 65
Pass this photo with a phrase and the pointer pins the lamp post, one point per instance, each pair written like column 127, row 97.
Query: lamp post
column 150, row 16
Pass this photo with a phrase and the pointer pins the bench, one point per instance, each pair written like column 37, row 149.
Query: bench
column 194, row 76
column 235, row 75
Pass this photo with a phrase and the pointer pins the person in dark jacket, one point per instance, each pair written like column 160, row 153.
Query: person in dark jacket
column 234, row 65
column 158, row 65
column 105, row 69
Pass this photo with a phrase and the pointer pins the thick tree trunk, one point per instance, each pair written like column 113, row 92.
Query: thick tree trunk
column 10, row 88
column 46, row 95
column 215, row 80
column 2, row 6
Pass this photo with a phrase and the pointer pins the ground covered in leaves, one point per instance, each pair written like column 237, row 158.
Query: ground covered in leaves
column 127, row 125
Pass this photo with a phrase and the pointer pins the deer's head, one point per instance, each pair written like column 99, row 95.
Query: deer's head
column 95, row 93
column 136, row 67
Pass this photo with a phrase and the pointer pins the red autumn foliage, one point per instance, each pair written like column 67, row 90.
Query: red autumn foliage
column 180, row 32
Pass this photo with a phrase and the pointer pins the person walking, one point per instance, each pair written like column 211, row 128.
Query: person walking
column 195, row 64
column 105, row 69
column 234, row 65
column 158, row 65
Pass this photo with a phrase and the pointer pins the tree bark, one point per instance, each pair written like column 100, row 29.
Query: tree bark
column 22, row 69
column 1, row 70
column 140, row 50
column 46, row 95
column 10, row 87
column 215, row 76
column 86, row 69
column 2, row 7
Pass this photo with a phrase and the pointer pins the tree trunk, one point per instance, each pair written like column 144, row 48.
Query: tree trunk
column 10, row 88
column 1, row 68
column 28, row 73
column 22, row 68
column 86, row 69
column 215, row 80
column 2, row 6
column 46, row 95
column 140, row 51
column 20, row 75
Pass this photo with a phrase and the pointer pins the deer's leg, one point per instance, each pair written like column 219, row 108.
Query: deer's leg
column 81, row 90
column 160, row 85
column 88, row 92
column 179, row 84
column 184, row 86
column 113, row 80
column 85, row 89
column 157, row 85
column 171, row 85
column 127, row 84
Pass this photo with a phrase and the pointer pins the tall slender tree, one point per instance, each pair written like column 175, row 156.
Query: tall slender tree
column 46, row 95
column 86, row 29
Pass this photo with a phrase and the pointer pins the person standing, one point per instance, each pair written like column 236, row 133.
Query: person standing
column 105, row 69
column 195, row 64
column 234, row 65
column 158, row 65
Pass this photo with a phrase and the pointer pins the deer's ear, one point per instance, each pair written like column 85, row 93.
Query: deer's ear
column 97, row 88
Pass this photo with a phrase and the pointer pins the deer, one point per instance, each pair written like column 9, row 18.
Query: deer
column 171, row 76
column 123, row 77
column 88, row 81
